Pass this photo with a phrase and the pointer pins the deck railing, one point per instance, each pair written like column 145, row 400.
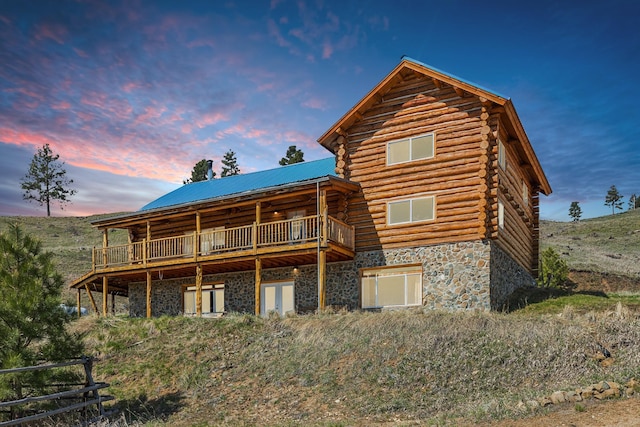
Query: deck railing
column 272, row 234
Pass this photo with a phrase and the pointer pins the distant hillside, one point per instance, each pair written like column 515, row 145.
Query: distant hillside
column 69, row 238
column 609, row 244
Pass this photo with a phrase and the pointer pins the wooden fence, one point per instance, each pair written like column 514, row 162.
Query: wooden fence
column 86, row 396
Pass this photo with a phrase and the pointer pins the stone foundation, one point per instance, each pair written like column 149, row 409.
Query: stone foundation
column 457, row 276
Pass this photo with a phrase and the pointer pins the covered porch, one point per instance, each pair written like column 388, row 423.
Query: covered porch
column 303, row 225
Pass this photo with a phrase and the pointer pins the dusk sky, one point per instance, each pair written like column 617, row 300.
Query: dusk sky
column 132, row 94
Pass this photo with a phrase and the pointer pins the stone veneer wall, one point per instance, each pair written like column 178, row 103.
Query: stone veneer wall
column 468, row 275
column 455, row 275
column 506, row 276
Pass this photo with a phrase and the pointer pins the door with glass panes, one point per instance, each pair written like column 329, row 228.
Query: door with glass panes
column 277, row 297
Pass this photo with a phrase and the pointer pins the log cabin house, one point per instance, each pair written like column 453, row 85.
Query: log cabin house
column 430, row 198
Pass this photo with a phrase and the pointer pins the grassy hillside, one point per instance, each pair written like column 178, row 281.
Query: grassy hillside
column 404, row 367
column 609, row 244
column 392, row 368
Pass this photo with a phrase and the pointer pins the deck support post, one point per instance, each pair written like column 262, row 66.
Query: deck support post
column 322, row 279
column 78, row 303
column 258, row 284
column 199, row 290
column 105, row 295
column 322, row 252
column 148, row 294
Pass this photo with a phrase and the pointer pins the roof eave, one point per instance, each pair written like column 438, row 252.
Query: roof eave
column 539, row 174
column 338, row 128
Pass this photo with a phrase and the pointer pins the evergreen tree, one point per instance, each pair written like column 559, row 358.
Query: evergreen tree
column 46, row 180
column 199, row 172
column 613, row 199
column 634, row 202
column 575, row 212
column 293, row 156
column 229, row 164
column 553, row 269
column 32, row 323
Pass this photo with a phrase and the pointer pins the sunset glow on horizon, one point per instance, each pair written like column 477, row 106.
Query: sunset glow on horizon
column 132, row 94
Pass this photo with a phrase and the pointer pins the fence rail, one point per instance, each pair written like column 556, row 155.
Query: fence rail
column 282, row 233
column 88, row 394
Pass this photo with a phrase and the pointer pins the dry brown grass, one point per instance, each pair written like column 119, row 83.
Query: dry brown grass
column 354, row 368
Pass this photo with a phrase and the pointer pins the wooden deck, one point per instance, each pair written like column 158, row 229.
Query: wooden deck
column 273, row 239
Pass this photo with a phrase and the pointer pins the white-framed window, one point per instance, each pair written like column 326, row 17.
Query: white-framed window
column 525, row 193
column 409, row 149
column 500, row 214
column 391, row 287
column 212, row 300
column 502, row 155
column 412, row 210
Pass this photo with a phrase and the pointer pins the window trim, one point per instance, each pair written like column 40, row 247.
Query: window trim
column 411, row 200
column 500, row 215
column 502, row 155
column 419, row 271
column 410, row 139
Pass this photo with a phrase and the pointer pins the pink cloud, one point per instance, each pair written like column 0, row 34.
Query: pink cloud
column 55, row 32
column 210, row 119
column 315, row 103
column 274, row 32
column 80, row 53
column 62, row 105
column 327, row 50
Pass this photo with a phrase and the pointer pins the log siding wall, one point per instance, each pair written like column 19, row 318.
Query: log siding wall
column 464, row 175
column 415, row 106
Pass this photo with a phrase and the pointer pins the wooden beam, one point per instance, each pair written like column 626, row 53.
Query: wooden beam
column 258, row 285
column 437, row 83
column 199, row 290
column 148, row 294
column 105, row 295
column 93, row 301
column 459, row 92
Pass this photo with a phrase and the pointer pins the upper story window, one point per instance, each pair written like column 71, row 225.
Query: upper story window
column 412, row 210
column 502, row 155
column 409, row 149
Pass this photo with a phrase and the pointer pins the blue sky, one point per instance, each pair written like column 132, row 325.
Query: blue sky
column 132, row 94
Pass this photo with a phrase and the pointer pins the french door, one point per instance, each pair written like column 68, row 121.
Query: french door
column 277, row 297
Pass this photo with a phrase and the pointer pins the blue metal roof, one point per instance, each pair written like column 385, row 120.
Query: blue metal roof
column 245, row 183
column 415, row 61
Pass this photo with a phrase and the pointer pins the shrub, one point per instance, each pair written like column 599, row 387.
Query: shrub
column 553, row 269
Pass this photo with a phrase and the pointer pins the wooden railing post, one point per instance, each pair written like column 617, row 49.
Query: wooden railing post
column 195, row 245
column 254, row 237
column 144, row 251
column 93, row 259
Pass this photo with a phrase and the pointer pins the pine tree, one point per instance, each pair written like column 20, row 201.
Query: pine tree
column 293, row 156
column 229, row 164
column 575, row 212
column 46, row 180
column 32, row 323
column 199, row 172
column 634, row 202
column 613, row 199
